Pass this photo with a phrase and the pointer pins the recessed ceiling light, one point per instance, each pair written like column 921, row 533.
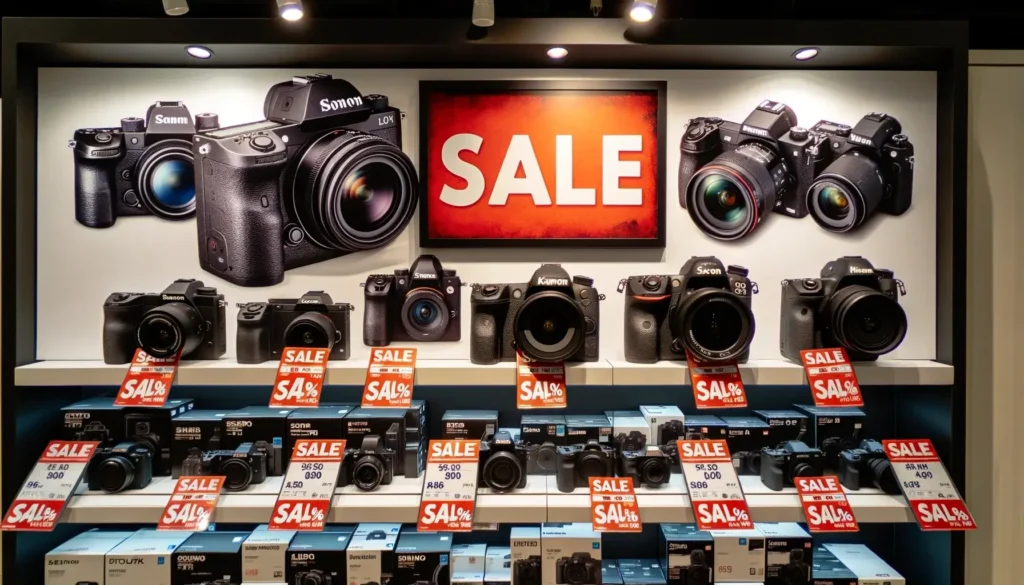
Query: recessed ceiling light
column 805, row 54
column 290, row 9
column 483, row 13
column 175, row 7
column 199, row 51
column 643, row 10
column 557, row 52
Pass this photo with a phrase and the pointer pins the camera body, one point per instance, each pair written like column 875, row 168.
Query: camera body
column 502, row 315
column 321, row 176
column 541, row 459
column 792, row 459
column 661, row 311
column 120, row 467
column 650, row 467
column 368, row 467
column 503, row 463
column 314, row 320
column 747, row 462
column 312, row 577
column 187, row 317
column 242, row 467
column 697, row 572
column 422, row 303
column 527, row 571
column 867, row 466
column 578, row 463
column 579, row 569
column 634, row 441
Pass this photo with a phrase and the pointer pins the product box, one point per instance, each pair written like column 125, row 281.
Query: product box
column 610, row 573
column 415, row 458
column 789, row 549
column 537, row 429
column 785, row 425
column 264, row 555
column 739, row 555
column 499, row 565
column 387, row 423
column 630, row 431
column 322, row 422
column 469, row 561
column 833, row 429
column 687, row 554
column 665, row 423
column 641, row 572
column 196, row 429
column 423, row 557
column 207, row 557
column 318, row 557
column 468, row 424
column 371, row 554
column 526, row 555
column 746, row 436
column 866, row 565
column 264, row 427
column 827, row 570
column 571, row 554
column 416, row 421
column 144, row 557
column 700, row 427
column 581, row 428
column 82, row 559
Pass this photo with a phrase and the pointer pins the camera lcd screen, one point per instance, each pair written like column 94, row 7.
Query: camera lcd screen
column 242, row 129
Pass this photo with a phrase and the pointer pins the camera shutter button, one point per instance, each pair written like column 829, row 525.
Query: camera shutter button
column 843, row 130
column 103, row 137
column 133, row 124
column 897, row 139
column 652, row 283
column 799, row 133
column 490, row 289
column 253, row 307
column 262, row 143
column 810, row 283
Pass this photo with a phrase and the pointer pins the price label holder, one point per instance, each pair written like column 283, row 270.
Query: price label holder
column 831, row 377
column 613, row 505
column 825, row 505
column 48, row 486
column 936, row 503
column 390, row 377
column 300, row 377
column 192, row 503
column 308, row 485
column 539, row 384
column 716, row 385
column 448, row 503
column 148, row 381
column 715, row 494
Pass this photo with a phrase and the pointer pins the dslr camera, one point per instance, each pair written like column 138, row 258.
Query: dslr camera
column 417, row 304
column 93, row 430
column 124, row 466
column 650, row 467
column 579, row 569
column 312, row 321
column 747, row 462
column 705, row 310
column 322, row 176
column 578, row 463
column 243, row 466
column 186, row 318
column 143, row 167
column 370, row 466
column 551, row 318
column 541, row 459
column 527, row 571
column 791, row 459
column 634, row 441
column 312, row 577
column 503, row 463
column 867, row 466
column 853, row 305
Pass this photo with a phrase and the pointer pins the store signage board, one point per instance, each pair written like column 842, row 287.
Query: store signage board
column 613, row 505
column 308, row 487
column 192, row 503
column 448, row 502
column 49, row 485
column 933, row 498
column 300, row 377
column 390, row 377
column 716, row 385
column 148, row 381
column 539, row 384
column 826, row 507
column 831, row 377
column 716, row 497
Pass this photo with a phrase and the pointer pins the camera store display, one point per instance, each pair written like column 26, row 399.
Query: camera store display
column 312, row 321
column 124, row 466
column 791, row 460
column 650, row 467
column 368, row 467
column 578, row 463
column 241, row 467
column 502, row 463
column 867, row 466
column 421, row 303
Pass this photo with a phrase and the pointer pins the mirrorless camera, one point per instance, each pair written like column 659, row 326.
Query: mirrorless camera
column 867, row 466
column 421, row 303
column 312, row 321
column 697, row 572
column 144, row 167
column 747, row 462
column 370, row 466
column 186, row 318
column 124, row 466
column 541, row 459
column 634, row 441
column 322, row 176
column 579, row 569
column 649, row 467
column 705, row 309
column 578, row 463
column 527, row 571
column 853, row 305
column 551, row 318
column 791, row 459
column 502, row 463
column 241, row 467
column 312, row 577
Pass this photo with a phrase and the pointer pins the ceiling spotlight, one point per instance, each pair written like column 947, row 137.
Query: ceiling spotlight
column 557, row 52
column 199, row 51
column 483, row 13
column 596, row 6
column 175, row 7
column 643, row 10
column 290, row 9
column 805, row 54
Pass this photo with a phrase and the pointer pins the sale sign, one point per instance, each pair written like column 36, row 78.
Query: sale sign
column 613, row 505
column 715, row 493
column 716, row 385
column 48, row 486
column 148, row 381
column 449, row 488
column 192, row 503
column 390, row 377
column 831, row 377
column 300, row 377
column 539, row 384
column 825, row 505
column 934, row 499
column 308, row 487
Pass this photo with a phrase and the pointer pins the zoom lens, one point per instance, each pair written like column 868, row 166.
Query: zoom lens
column 846, row 193
column 166, row 330
column 425, row 314
column 237, row 474
column 592, row 464
column 367, row 473
column 116, row 474
column 311, row 329
column 654, row 471
column 545, row 458
column 882, row 475
column 502, row 471
column 549, row 327
column 714, row 324
column 803, row 470
column 166, row 179
column 575, row 573
column 865, row 320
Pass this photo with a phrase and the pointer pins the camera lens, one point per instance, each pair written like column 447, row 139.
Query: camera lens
column 171, row 328
column 846, row 193
column 312, row 579
column 549, row 327
column 722, row 200
column 882, row 475
column 527, row 573
column 166, row 179
column 714, row 324
column 654, row 471
column 425, row 314
column 237, row 474
column 368, row 195
column 865, row 320
column 116, row 474
column 545, row 457
column 502, row 471
column 592, row 464
column 801, row 469
column 575, row 573
column 311, row 330
column 367, row 473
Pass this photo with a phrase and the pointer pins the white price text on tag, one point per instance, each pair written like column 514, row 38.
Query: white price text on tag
column 715, row 493
column 49, row 485
column 934, row 499
column 449, row 488
column 308, row 486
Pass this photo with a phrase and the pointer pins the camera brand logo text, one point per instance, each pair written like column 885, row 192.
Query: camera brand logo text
column 860, row 140
column 858, row 270
column 172, row 297
column 545, row 281
column 424, row 275
column 755, row 131
column 135, row 561
column 161, row 119
column 413, row 558
column 704, row 270
column 327, row 105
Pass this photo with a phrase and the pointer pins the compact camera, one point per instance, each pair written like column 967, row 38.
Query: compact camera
column 541, row 459
column 186, row 318
column 370, row 466
column 798, row 570
column 551, row 318
column 421, row 303
column 322, row 176
column 527, row 571
column 853, row 305
column 312, row 577
column 124, row 466
column 792, row 459
column 144, row 167
column 867, row 466
column 312, row 321
column 578, row 463
column 649, row 467
column 243, row 466
column 705, row 310
column 697, row 572
column 579, row 569
column 503, row 463
column 634, row 441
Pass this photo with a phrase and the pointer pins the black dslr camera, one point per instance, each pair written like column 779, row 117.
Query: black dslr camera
column 704, row 309
column 853, row 305
column 867, row 466
column 322, row 176
column 552, row 318
column 791, row 459
column 370, row 466
column 241, row 467
column 502, row 463
column 527, row 571
column 697, row 572
column 312, row 577
column 651, row 467
column 314, row 321
column 578, row 463
column 634, row 441
column 541, row 459
column 124, row 466
column 187, row 317
column 579, row 569
column 417, row 304
column 142, row 168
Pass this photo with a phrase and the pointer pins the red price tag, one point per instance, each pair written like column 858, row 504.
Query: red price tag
column 825, row 505
column 715, row 493
column 389, row 377
column 936, row 503
column 613, row 505
column 831, row 377
column 300, row 377
column 716, row 385
column 540, row 384
column 308, row 486
column 148, row 381
column 192, row 503
column 448, row 502
column 48, row 486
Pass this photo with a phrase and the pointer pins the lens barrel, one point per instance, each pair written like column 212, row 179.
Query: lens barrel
column 425, row 314
column 864, row 320
column 166, row 181
column 502, row 471
column 714, row 324
column 846, row 193
column 169, row 329
column 116, row 474
column 237, row 474
column 654, row 471
column 367, row 473
column 311, row 329
column 549, row 326
column 729, row 196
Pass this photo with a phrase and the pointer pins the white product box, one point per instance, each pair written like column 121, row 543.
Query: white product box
column 145, row 557
column 371, row 553
column 498, row 568
column 661, row 420
column 469, row 561
column 869, row 568
column 82, row 559
column 264, row 555
column 739, row 556
column 570, row 548
column 526, row 555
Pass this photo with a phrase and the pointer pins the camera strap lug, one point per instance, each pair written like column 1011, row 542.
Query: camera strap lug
column 622, row 285
column 902, row 287
column 753, row 287
column 362, row 285
column 601, row 297
column 72, row 143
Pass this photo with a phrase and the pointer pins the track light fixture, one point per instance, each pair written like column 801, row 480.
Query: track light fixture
column 483, row 13
column 175, row 7
column 596, row 6
column 643, row 10
column 289, row 9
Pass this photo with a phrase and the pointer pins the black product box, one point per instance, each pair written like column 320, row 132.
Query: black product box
column 828, row 570
column 326, row 421
column 468, row 424
column 264, row 427
column 833, row 430
column 746, row 436
column 195, row 429
column 423, row 557
column 388, row 424
column 789, row 549
column 785, row 425
column 687, row 554
column 318, row 557
column 416, row 421
column 537, row 429
column 415, row 462
column 610, row 573
column 641, row 572
column 699, row 427
column 580, row 428
column 209, row 557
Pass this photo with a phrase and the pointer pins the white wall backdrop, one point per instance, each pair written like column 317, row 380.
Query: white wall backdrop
column 78, row 267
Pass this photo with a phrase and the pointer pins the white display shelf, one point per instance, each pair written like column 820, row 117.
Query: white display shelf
column 785, row 373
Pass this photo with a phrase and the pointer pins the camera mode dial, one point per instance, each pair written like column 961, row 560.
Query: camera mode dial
column 652, row 283
column 799, row 133
column 207, row 122
column 262, row 143
column 583, row 280
column 133, row 124
column 900, row 139
column 843, row 130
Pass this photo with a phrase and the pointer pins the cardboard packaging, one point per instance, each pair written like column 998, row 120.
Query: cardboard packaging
column 869, row 568
column 664, row 422
column 319, row 556
column 789, row 549
column 746, row 436
column 468, row 424
column 264, row 427
column 739, row 555
column 571, row 554
column 610, row 573
column 82, row 559
column 469, row 561
column 144, row 557
column 785, row 425
column 827, row 570
column 389, row 425
column 423, row 557
column 581, row 428
column 265, row 555
column 700, row 427
column 371, row 554
column 196, row 429
column 326, row 421
column 526, row 555
column 687, row 554
column 641, row 572
column 833, row 430
column 498, row 570
column 208, row 556
column 630, row 431
column 537, row 429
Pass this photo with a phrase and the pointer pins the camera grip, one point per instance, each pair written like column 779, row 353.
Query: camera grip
column 796, row 332
column 565, row 475
column 485, row 336
column 640, row 332
column 94, row 192
column 119, row 343
column 252, row 342
column 375, row 322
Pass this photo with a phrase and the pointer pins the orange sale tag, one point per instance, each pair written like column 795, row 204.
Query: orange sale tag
column 48, row 486
column 148, row 381
column 192, row 503
column 613, row 505
column 449, row 488
column 936, row 503
column 831, row 377
column 389, row 377
column 540, row 384
column 715, row 493
column 825, row 505
column 716, row 385
column 308, row 487
column 300, row 377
